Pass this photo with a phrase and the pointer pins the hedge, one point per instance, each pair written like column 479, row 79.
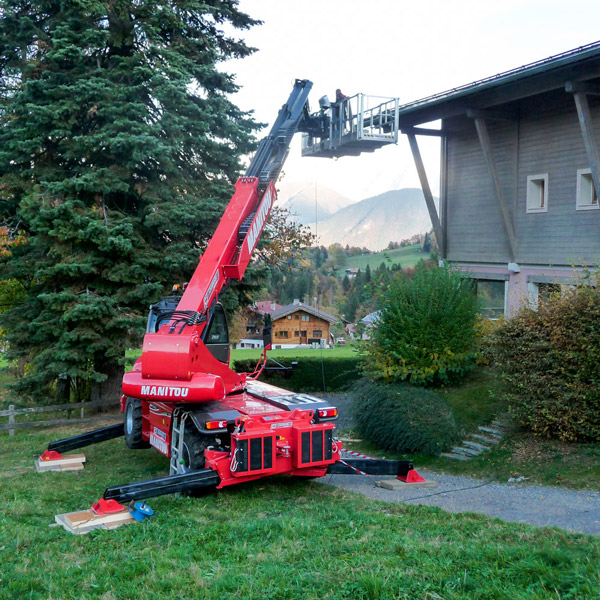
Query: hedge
column 550, row 364
column 404, row 418
column 309, row 373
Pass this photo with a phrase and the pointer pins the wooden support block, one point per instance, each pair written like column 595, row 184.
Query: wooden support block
column 84, row 521
column 397, row 485
column 73, row 462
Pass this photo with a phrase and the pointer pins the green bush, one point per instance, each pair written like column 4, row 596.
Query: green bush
column 427, row 330
column 550, row 364
column 308, row 375
column 404, row 418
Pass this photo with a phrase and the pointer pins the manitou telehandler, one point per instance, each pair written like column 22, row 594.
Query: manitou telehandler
column 219, row 427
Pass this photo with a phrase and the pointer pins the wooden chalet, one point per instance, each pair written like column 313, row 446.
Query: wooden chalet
column 520, row 160
column 300, row 323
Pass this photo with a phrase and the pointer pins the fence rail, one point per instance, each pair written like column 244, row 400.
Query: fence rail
column 12, row 412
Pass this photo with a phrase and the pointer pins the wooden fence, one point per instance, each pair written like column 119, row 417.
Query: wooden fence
column 12, row 412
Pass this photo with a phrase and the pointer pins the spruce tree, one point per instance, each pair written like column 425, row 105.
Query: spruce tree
column 118, row 151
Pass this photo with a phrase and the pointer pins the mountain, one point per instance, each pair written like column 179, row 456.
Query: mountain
column 377, row 221
column 299, row 199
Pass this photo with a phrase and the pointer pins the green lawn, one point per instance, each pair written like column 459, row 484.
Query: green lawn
column 273, row 539
column 408, row 256
column 282, row 354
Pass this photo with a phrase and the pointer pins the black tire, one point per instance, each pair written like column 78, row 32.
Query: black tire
column 194, row 444
column 133, row 425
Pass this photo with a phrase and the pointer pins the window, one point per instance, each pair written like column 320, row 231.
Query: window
column 491, row 298
column 289, row 316
column 537, row 193
column 283, row 334
column 297, row 317
column 318, row 333
column 296, row 334
column 587, row 198
column 542, row 292
column 305, row 318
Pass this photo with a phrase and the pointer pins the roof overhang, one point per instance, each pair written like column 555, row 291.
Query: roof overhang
column 580, row 64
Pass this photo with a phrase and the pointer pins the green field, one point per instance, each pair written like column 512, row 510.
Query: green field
column 407, row 257
column 347, row 351
column 278, row 539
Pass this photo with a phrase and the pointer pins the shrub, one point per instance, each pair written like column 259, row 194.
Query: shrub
column 427, row 330
column 309, row 373
column 404, row 418
column 550, row 364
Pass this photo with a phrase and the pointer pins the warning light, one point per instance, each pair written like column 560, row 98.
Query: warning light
column 328, row 413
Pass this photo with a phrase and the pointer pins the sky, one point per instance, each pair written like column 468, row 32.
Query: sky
column 392, row 48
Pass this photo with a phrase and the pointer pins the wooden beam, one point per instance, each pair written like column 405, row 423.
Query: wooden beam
column 433, row 215
column 444, row 196
column 587, row 131
column 592, row 89
column 486, row 146
column 422, row 131
column 491, row 114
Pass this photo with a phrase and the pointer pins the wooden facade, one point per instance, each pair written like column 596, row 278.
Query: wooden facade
column 518, row 207
column 299, row 323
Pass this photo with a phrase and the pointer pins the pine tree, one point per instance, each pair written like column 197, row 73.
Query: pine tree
column 118, row 151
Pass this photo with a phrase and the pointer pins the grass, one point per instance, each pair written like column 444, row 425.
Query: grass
column 272, row 539
column 408, row 256
column 347, row 351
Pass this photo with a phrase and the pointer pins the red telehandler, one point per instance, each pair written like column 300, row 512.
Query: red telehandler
column 219, row 427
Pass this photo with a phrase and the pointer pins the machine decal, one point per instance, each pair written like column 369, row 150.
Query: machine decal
column 259, row 221
column 211, row 289
column 160, row 434
column 161, row 390
column 159, row 444
column 281, row 425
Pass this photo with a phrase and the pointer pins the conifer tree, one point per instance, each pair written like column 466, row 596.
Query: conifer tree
column 118, row 151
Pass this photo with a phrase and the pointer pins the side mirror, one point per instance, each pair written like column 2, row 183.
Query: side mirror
column 267, row 339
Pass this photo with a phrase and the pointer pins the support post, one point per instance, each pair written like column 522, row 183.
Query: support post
column 433, row 215
column 11, row 419
column 587, row 131
column 486, row 146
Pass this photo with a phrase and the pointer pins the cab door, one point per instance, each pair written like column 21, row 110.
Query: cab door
column 216, row 336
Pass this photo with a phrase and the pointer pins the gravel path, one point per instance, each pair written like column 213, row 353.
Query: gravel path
column 577, row 511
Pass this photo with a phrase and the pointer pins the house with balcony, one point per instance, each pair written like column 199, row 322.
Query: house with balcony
column 298, row 324
column 520, row 171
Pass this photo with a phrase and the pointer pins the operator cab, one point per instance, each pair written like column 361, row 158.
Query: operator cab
column 215, row 336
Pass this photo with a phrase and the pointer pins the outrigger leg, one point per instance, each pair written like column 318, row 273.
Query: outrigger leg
column 88, row 438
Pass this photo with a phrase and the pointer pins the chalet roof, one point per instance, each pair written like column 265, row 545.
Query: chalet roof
column 284, row 311
column 579, row 64
column 266, row 306
column 371, row 318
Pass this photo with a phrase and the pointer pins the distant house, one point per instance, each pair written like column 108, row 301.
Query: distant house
column 368, row 322
column 352, row 272
column 300, row 323
column 520, row 175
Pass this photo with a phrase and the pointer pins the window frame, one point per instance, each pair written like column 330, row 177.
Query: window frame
column 581, row 173
column 531, row 180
